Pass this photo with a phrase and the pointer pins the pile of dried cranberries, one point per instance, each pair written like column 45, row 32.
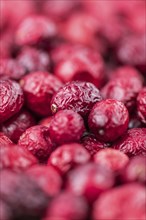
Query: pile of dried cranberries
column 72, row 110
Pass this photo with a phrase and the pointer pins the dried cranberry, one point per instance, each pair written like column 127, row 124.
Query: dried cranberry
column 36, row 139
column 35, row 29
column 125, row 202
column 111, row 158
column 67, row 126
column 141, row 105
column 17, row 124
column 16, row 158
column 133, row 143
column 108, row 120
column 68, row 156
column 77, row 96
column 90, row 180
column 4, row 140
column 11, row 97
column 46, row 121
column 25, row 198
column 34, row 60
column 39, row 88
column 47, row 178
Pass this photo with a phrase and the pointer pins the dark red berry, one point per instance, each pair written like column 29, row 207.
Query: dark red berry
column 108, row 120
column 90, row 180
column 11, row 99
column 125, row 202
column 37, row 140
column 47, row 178
column 68, row 156
column 133, row 143
column 15, row 158
column 141, row 105
column 66, row 126
column 39, row 87
column 46, row 121
column 77, row 96
column 4, row 140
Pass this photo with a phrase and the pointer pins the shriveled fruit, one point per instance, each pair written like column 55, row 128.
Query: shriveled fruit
column 4, row 140
column 141, row 105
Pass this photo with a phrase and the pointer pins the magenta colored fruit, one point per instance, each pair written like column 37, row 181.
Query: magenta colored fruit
column 4, row 140
column 91, row 144
column 39, row 88
column 141, row 105
column 46, row 121
column 67, row 206
column 11, row 96
column 24, row 196
column 68, row 156
column 34, row 60
column 77, row 96
column 15, row 158
column 108, row 120
column 47, row 178
column 90, row 180
column 37, row 140
column 66, row 126
column 16, row 125
column 35, row 29
column 133, row 143
column 135, row 170
column 111, row 158
column 125, row 202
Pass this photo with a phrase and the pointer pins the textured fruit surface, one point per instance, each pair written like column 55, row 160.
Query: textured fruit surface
column 125, row 202
column 68, row 156
column 67, row 126
column 77, row 96
column 12, row 99
column 108, row 120
column 4, row 140
column 141, row 105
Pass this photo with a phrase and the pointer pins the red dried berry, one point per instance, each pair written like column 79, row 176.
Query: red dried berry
column 135, row 170
column 24, row 196
column 77, row 96
column 90, row 143
column 90, row 180
column 16, row 125
column 141, row 105
column 111, row 158
column 47, row 178
column 35, row 29
column 39, row 87
column 4, row 140
column 15, row 158
column 108, row 120
column 37, row 140
column 66, row 126
column 46, row 121
column 11, row 96
column 68, row 156
column 34, row 60
column 125, row 202
column 67, row 206
column 133, row 143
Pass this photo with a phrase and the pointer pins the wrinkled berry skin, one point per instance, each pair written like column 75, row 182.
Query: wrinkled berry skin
column 25, row 198
column 4, row 140
column 141, row 105
column 39, row 88
column 77, row 96
column 47, row 178
column 135, row 170
column 68, row 156
column 90, row 180
column 67, row 206
column 35, row 29
column 125, row 202
column 108, row 120
column 111, row 158
column 67, row 126
column 11, row 99
column 16, row 125
column 36, row 139
column 34, row 60
column 133, row 142
column 15, row 158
